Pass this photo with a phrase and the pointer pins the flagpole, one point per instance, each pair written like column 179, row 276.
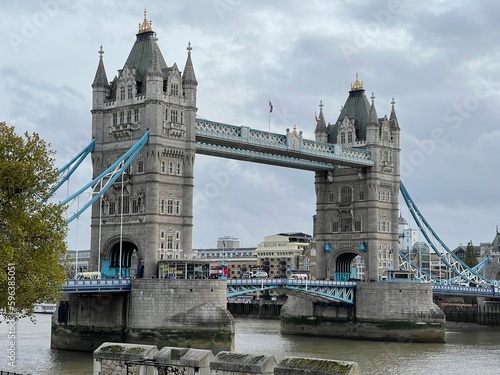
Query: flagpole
column 270, row 110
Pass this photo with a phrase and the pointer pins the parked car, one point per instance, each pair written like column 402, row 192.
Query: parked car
column 260, row 275
column 247, row 275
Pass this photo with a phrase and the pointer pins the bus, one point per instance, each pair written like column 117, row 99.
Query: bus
column 217, row 270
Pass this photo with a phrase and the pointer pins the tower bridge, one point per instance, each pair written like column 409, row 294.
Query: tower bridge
column 147, row 215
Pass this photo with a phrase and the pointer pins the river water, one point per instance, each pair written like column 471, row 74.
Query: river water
column 470, row 349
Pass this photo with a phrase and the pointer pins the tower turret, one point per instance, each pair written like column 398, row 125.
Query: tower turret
column 321, row 131
column 372, row 126
column 189, row 82
column 100, row 91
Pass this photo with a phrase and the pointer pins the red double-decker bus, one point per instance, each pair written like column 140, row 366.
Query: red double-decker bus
column 217, row 270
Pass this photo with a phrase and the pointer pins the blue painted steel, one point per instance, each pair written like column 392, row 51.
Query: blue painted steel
column 489, row 291
column 463, row 271
column 78, row 159
column 321, row 290
column 99, row 285
column 290, row 150
column 114, row 171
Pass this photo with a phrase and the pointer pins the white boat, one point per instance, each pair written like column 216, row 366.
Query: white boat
column 45, row 308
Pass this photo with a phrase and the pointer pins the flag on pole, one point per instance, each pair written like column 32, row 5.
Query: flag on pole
column 270, row 106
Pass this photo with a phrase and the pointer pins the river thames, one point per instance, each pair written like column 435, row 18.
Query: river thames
column 470, row 349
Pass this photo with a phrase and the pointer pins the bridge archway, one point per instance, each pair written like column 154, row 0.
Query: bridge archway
column 122, row 258
column 493, row 274
column 346, row 264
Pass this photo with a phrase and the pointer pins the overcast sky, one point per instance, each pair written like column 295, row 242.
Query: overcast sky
column 439, row 59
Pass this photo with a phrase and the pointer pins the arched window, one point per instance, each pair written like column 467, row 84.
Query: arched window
column 346, row 194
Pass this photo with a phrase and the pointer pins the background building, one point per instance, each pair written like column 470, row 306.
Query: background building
column 284, row 253
column 228, row 242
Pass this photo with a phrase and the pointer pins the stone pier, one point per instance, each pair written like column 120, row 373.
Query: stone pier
column 164, row 312
column 385, row 311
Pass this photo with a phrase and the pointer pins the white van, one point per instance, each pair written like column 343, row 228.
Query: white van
column 299, row 276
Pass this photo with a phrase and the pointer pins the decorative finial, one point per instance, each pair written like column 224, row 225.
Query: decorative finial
column 357, row 85
column 393, row 102
column 372, row 97
column 145, row 26
column 101, row 52
column 295, row 129
column 189, row 48
column 321, row 105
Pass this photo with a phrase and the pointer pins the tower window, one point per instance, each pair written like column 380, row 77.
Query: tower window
column 174, row 89
column 112, row 208
column 122, row 117
column 115, row 119
column 136, row 115
column 357, row 225
column 129, row 92
column 135, row 206
column 179, row 168
column 346, row 224
column 140, row 166
column 129, row 116
column 346, row 194
column 174, row 114
column 122, row 93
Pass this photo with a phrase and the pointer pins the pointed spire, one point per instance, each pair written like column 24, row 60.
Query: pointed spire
column 188, row 76
column 393, row 120
column 320, row 120
column 100, row 79
column 372, row 115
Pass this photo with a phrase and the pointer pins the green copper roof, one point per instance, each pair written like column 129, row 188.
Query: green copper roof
column 142, row 53
column 356, row 107
column 140, row 58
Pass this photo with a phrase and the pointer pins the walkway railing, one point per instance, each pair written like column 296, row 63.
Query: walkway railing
column 97, row 285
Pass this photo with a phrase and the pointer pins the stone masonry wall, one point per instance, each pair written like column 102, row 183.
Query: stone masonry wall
column 114, row 358
column 394, row 301
column 190, row 313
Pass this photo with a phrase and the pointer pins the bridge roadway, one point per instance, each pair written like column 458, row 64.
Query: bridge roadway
column 316, row 290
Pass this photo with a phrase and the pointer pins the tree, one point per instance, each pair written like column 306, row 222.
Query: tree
column 32, row 233
column 470, row 256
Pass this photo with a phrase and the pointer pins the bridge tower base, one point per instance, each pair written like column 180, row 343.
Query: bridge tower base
column 161, row 312
column 399, row 312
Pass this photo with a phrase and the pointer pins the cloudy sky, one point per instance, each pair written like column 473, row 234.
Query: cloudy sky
column 439, row 59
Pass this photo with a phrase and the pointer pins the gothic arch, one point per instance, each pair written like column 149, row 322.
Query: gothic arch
column 341, row 265
column 124, row 259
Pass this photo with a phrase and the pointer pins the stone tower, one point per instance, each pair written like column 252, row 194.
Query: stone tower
column 357, row 208
column 147, row 214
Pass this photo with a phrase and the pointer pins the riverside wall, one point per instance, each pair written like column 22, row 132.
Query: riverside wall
column 401, row 312
column 187, row 313
column 115, row 358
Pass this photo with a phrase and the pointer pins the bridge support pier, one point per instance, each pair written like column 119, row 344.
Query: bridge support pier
column 160, row 312
column 399, row 312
